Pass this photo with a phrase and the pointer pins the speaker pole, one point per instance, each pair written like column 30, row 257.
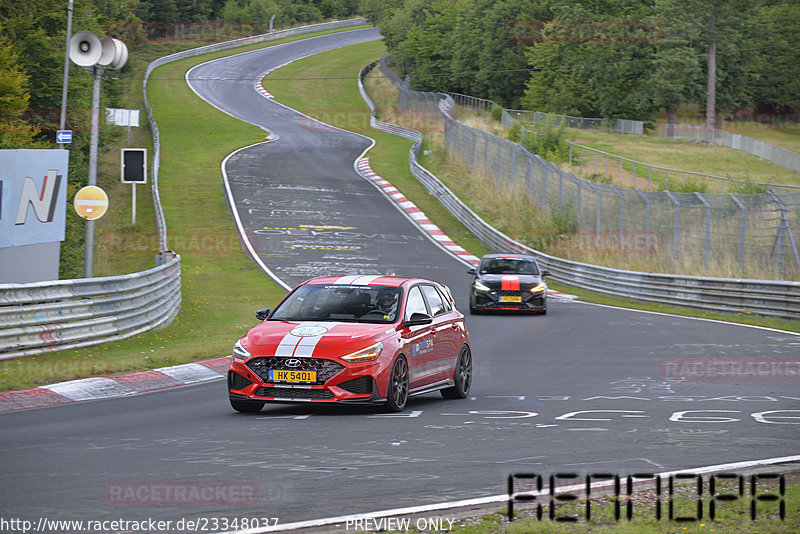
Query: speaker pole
column 88, row 258
column 65, row 86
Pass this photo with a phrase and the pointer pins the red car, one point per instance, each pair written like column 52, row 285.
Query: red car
column 354, row 339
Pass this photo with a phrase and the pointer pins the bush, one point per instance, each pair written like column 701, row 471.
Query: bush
column 497, row 113
column 550, row 143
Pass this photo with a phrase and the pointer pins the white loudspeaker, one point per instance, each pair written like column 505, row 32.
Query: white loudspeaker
column 121, row 56
column 115, row 53
column 85, row 49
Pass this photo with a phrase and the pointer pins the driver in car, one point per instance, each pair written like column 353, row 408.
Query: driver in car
column 387, row 303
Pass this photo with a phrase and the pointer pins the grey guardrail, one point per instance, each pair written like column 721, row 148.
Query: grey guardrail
column 67, row 314
column 761, row 297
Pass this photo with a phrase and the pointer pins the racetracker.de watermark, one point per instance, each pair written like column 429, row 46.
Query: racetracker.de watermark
column 211, row 243
column 710, row 369
column 181, row 493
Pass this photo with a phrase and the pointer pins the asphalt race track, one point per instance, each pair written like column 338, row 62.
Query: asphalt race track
column 582, row 389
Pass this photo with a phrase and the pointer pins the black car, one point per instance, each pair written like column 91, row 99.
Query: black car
column 511, row 282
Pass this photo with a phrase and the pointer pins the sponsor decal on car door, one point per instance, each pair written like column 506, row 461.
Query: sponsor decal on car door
column 445, row 332
column 418, row 341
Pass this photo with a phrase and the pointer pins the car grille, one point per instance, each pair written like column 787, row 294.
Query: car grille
column 506, row 293
column 360, row 386
column 325, row 369
column 237, row 381
column 294, row 393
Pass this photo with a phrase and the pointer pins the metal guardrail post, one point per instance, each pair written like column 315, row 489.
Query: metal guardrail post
column 707, row 240
column 646, row 220
column 676, row 226
column 742, row 225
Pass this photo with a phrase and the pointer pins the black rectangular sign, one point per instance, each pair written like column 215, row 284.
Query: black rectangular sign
column 134, row 165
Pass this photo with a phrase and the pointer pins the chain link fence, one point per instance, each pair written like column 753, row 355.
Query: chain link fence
column 760, row 230
column 637, row 174
column 623, row 126
column 755, row 147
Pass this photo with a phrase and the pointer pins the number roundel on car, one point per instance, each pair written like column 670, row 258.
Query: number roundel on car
column 308, row 331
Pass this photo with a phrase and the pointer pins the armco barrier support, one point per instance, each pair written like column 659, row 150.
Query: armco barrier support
column 762, row 297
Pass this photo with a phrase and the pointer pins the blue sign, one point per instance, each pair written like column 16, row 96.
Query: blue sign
column 64, row 136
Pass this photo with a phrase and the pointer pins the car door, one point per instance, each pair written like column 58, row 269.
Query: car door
column 418, row 341
column 445, row 333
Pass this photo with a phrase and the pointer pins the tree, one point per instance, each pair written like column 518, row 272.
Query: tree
column 490, row 51
column 14, row 98
column 14, row 95
column 427, row 50
column 593, row 60
column 677, row 75
column 778, row 84
column 378, row 12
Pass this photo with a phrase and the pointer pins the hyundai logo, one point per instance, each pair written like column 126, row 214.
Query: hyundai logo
column 293, row 362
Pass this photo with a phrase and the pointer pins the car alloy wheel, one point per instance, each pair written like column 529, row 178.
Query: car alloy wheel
column 462, row 377
column 398, row 386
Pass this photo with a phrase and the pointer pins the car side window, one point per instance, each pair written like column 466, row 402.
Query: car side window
column 448, row 307
column 415, row 303
column 434, row 300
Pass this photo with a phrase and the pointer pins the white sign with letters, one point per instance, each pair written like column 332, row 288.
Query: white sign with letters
column 33, row 196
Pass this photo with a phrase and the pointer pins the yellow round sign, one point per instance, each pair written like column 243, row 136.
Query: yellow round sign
column 91, row 202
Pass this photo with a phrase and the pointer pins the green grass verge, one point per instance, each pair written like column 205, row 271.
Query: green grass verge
column 681, row 155
column 222, row 287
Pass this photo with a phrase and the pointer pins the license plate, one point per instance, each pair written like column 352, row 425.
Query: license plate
column 280, row 375
column 510, row 299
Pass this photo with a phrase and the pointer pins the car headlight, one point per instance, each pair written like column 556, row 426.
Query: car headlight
column 239, row 352
column 365, row 355
column 479, row 286
column 539, row 288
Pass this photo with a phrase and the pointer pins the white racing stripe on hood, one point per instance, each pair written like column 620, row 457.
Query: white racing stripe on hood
column 301, row 346
column 357, row 280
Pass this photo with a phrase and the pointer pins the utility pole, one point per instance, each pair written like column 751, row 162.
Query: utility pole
column 711, row 88
column 65, row 86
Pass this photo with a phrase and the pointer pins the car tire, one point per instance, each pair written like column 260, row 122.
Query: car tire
column 397, row 395
column 246, row 406
column 462, row 376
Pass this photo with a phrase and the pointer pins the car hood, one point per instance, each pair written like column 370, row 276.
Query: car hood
column 510, row 279
column 296, row 335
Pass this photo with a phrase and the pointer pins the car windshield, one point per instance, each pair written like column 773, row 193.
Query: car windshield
column 361, row 304
column 508, row 266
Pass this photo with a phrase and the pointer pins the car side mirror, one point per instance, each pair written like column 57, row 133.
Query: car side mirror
column 262, row 314
column 471, row 270
column 417, row 319
column 545, row 273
